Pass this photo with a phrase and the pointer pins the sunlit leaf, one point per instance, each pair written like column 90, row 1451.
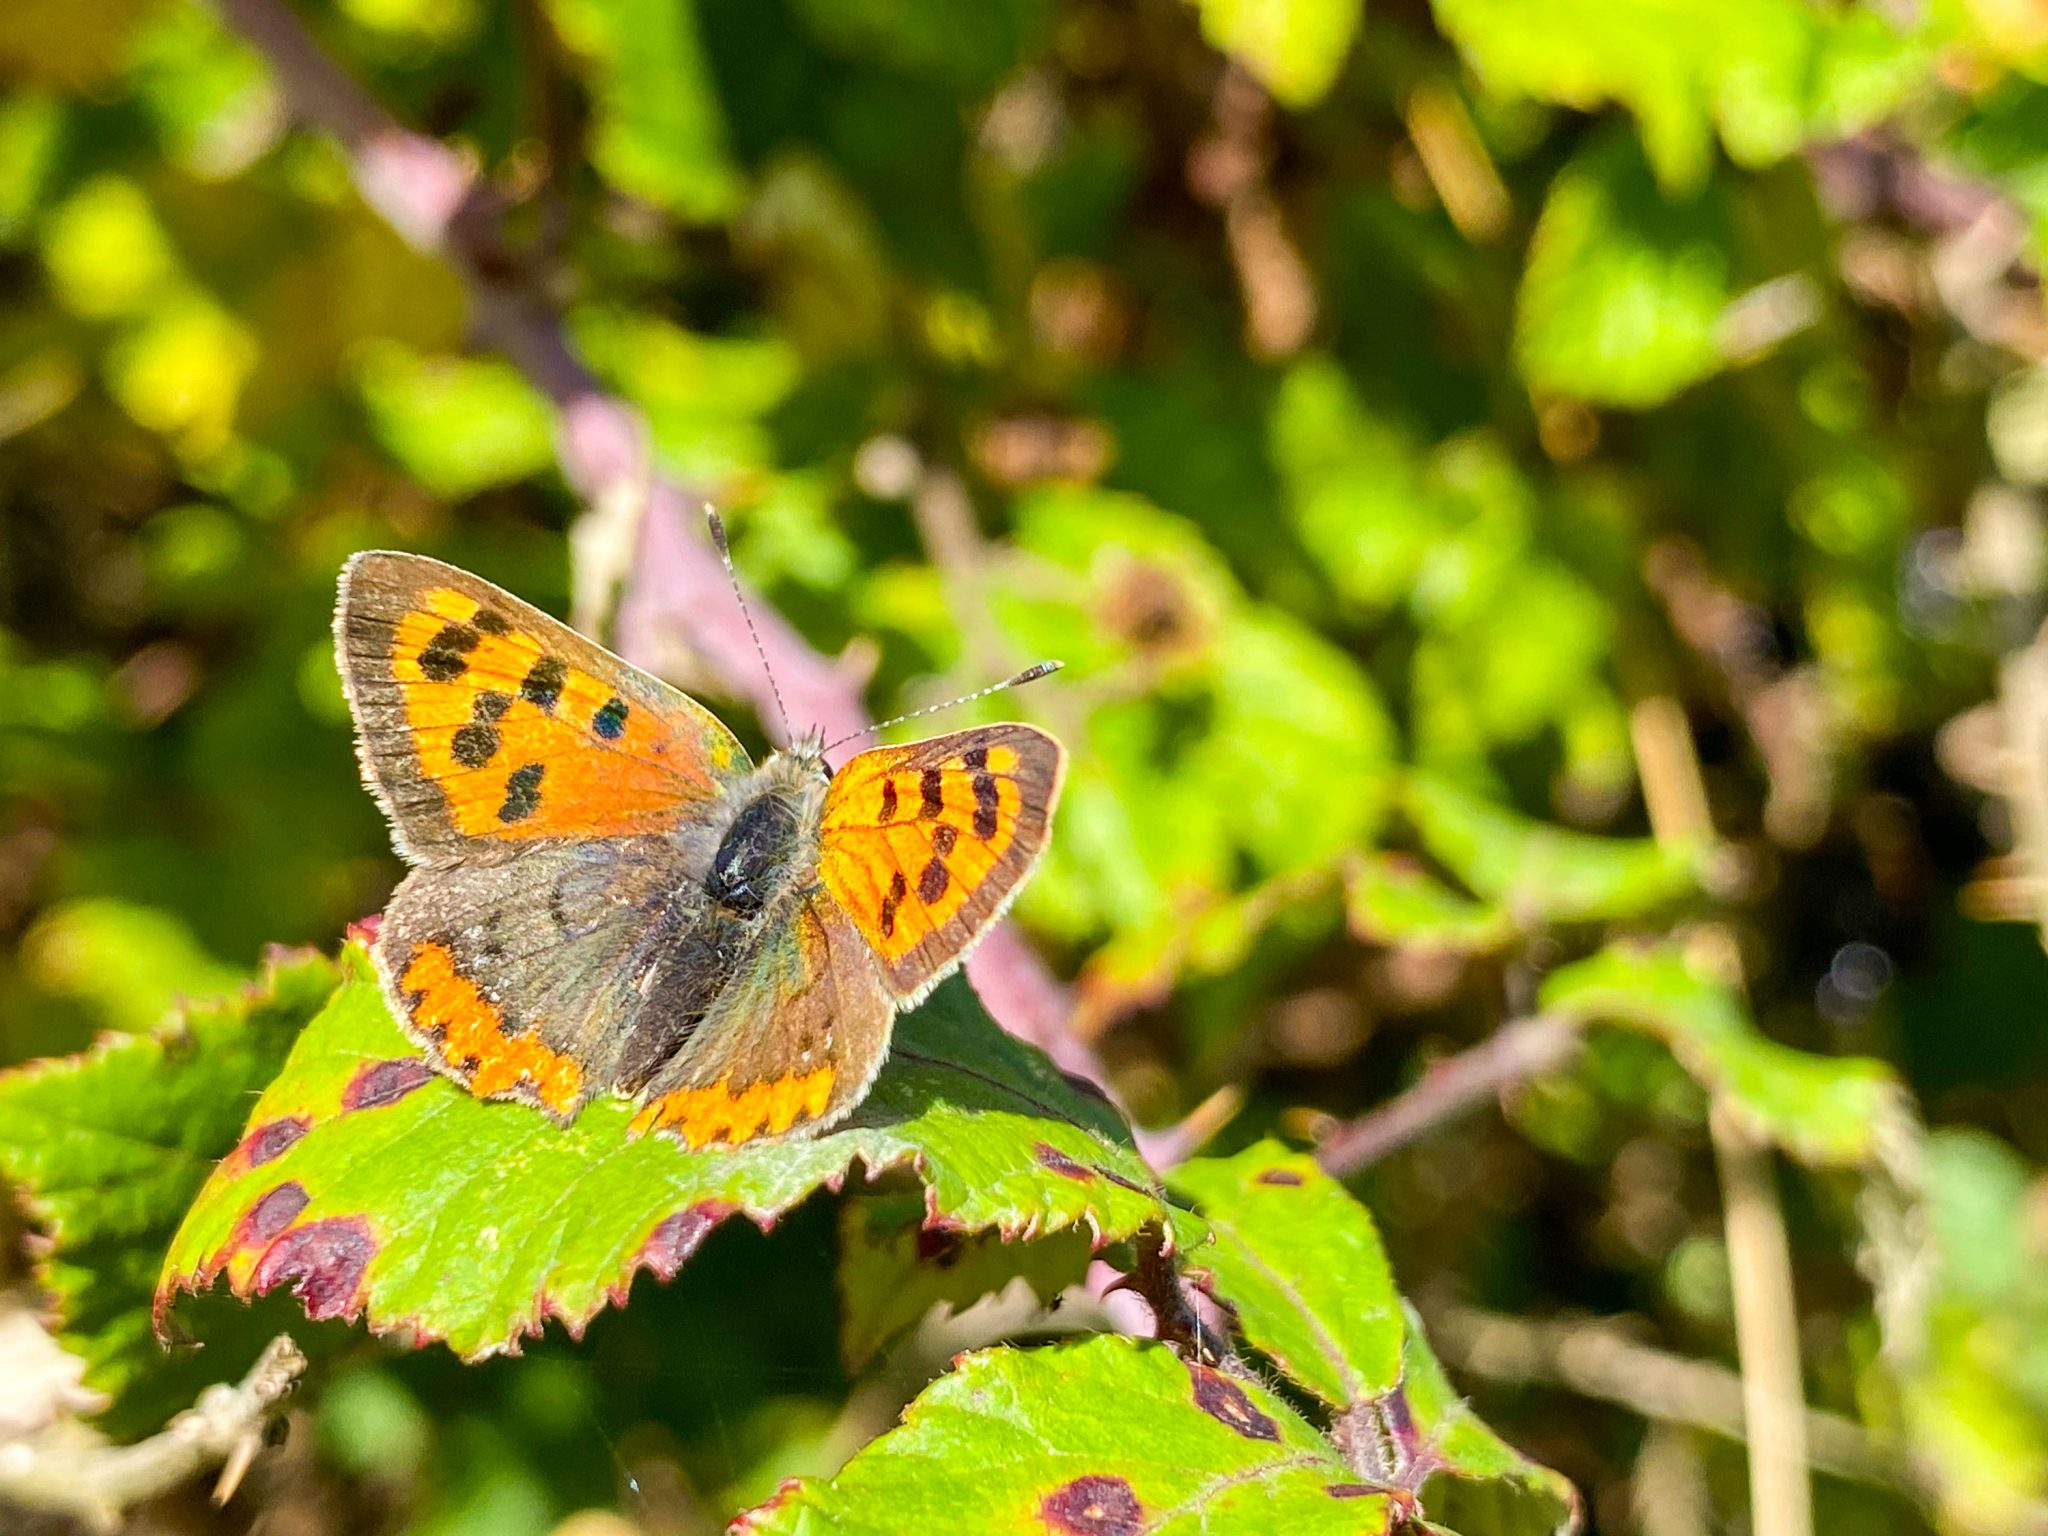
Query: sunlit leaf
column 1540, row 873
column 1106, row 1437
column 1827, row 1110
column 1301, row 1266
column 108, row 1149
column 1622, row 297
column 659, row 132
column 1392, row 900
column 457, row 424
column 1292, row 47
column 1765, row 73
column 377, row 1189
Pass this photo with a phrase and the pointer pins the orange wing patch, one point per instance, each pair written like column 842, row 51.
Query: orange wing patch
column 923, row 845
column 701, row 1116
column 469, row 1034
column 522, row 743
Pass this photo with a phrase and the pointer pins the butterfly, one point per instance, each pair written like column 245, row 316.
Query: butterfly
column 606, row 896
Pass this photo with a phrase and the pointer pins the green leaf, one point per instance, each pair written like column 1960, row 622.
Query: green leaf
column 1622, row 297
column 109, row 1147
column 1827, row 1110
column 130, row 964
column 1389, row 899
column 1768, row 73
column 968, row 48
column 1476, row 1480
column 894, row 1268
column 397, row 1196
column 659, row 130
column 459, row 425
column 1294, row 48
column 1105, row 1437
column 1540, row 873
column 1300, row 1263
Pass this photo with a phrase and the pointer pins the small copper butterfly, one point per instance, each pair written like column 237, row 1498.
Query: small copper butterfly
column 607, row 896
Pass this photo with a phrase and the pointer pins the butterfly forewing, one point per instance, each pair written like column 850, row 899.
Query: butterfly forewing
column 924, row 844
column 480, row 720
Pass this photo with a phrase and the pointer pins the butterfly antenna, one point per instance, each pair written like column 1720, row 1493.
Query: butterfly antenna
column 1030, row 674
column 725, row 553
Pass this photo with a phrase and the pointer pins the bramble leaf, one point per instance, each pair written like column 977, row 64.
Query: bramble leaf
column 1105, row 1437
column 1475, row 1481
column 108, row 1148
column 894, row 1268
column 1622, row 298
column 1300, row 1263
column 376, row 1188
column 1541, row 873
column 1826, row 1110
column 1392, row 900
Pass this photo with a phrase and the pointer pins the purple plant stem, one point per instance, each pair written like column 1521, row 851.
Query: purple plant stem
column 678, row 589
column 1510, row 1056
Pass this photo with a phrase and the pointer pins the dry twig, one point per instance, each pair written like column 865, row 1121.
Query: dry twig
column 66, row 1470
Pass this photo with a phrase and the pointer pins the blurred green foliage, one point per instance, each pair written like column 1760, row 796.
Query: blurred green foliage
column 1373, row 406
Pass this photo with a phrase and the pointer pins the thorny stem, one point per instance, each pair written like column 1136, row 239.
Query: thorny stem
column 1156, row 1278
column 1512, row 1055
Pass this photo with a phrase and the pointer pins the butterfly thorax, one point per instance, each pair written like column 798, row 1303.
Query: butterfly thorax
column 772, row 834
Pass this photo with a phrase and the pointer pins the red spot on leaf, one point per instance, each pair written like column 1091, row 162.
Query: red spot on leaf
column 676, row 1237
column 1224, row 1400
column 272, row 1139
column 1052, row 1157
column 269, row 1216
column 377, row 1083
column 1093, row 1506
column 1285, row 1176
column 1118, row 1179
column 937, row 1246
column 325, row 1261
column 364, row 930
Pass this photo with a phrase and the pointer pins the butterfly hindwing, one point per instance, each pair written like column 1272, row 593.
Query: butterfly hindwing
column 482, row 721
column 790, row 1045
column 923, row 845
column 515, row 974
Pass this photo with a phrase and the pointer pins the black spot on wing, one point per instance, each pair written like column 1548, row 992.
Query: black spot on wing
column 888, row 800
column 944, row 836
column 522, row 792
column 898, row 889
column 491, row 623
column 931, row 785
column 610, row 721
column 446, row 655
column 543, row 684
column 988, row 804
column 932, row 883
column 977, row 759
column 490, row 706
column 475, row 745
